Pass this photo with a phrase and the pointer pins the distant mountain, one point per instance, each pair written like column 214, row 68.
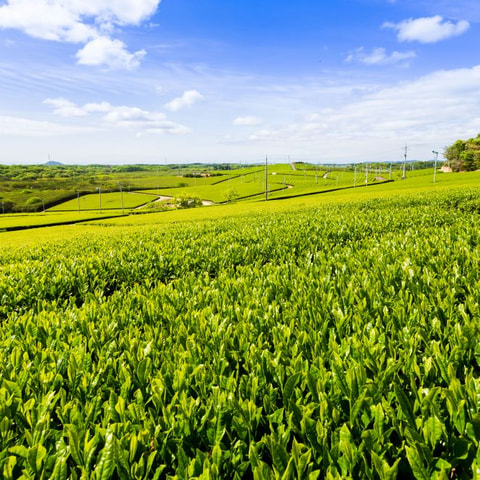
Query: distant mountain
column 52, row 163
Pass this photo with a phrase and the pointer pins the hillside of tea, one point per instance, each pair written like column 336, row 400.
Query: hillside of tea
column 37, row 188
column 329, row 340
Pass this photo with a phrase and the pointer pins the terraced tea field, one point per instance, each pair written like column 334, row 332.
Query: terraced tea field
column 334, row 337
column 105, row 201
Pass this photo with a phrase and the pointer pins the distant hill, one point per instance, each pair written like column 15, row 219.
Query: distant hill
column 52, row 163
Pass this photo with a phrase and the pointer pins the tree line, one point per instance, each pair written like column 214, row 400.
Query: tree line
column 464, row 155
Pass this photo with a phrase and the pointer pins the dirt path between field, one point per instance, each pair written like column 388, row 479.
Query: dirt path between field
column 162, row 198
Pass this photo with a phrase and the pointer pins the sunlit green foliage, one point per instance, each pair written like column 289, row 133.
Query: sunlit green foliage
column 464, row 155
column 107, row 201
column 335, row 341
column 25, row 220
column 54, row 184
column 38, row 187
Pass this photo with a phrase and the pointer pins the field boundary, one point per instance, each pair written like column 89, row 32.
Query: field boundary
column 57, row 224
column 329, row 190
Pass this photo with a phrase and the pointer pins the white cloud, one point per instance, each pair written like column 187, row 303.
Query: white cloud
column 87, row 22
column 433, row 110
column 65, row 108
column 164, row 127
column 112, row 53
column 379, row 56
column 247, row 121
column 427, row 29
column 132, row 116
column 46, row 20
column 97, row 107
column 17, row 126
column 119, row 116
column 73, row 20
column 189, row 98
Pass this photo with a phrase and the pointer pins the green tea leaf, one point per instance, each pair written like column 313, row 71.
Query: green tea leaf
column 416, row 463
column 106, row 464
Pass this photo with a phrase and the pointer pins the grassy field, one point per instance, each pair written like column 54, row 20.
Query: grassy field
column 30, row 188
column 238, row 187
column 329, row 336
column 412, row 187
column 25, row 220
column 416, row 182
column 36, row 188
column 107, row 201
column 282, row 181
column 182, row 288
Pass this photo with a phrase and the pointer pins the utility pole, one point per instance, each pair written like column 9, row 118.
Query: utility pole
column 405, row 162
column 435, row 167
column 99, row 199
column 390, row 172
column 266, row 178
column 121, row 197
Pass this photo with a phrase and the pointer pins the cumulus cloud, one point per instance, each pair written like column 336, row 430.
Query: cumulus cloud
column 427, row 29
column 112, row 53
column 128, row 116
column 189, row 98
column 247, row 121
column 88, row 22
column 143, row 121
column 379, row 56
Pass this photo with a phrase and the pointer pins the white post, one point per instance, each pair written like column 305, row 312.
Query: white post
column 121, row 197
column 405, row 163
column 266, row 178
column 99, row 199
column 435, row 167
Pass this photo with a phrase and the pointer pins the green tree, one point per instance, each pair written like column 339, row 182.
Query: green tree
column 464, row 155
column 232, row 194
column 453, row 155
column 186, row 201
column 473, row 150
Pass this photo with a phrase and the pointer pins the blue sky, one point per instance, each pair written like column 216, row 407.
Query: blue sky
column 144, row 81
